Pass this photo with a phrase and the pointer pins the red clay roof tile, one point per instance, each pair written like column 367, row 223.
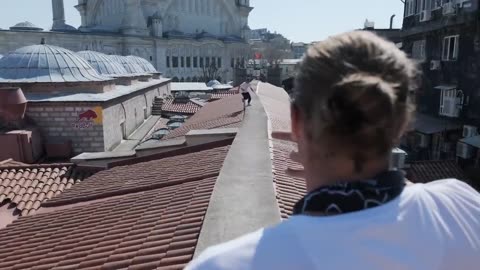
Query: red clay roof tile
column 112, row 234
column 223, row 94
column 428, row 171
column 188, row 108
column 218, row 114
column 144, row 176
column 26, row 186
column 288, row 189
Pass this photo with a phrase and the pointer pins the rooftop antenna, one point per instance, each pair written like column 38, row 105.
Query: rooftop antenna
column 42, row 41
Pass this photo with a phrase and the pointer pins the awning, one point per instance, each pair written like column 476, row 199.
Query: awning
column 446, row 87
column 430, row 125
column 473, row 141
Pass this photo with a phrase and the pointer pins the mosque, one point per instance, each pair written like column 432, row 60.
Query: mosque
column 179, row 37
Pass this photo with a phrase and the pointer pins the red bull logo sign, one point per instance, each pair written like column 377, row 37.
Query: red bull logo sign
column 89, row 118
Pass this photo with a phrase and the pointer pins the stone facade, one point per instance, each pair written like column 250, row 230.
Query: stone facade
column 94, row 126
column 58, row 123
column 155, row 30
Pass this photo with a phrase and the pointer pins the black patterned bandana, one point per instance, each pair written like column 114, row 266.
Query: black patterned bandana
column 350, row 197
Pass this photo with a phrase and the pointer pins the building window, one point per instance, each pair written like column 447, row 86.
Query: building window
column 195, row 62
column 207, row 61
column 168, row 61
column 182, row 61
column 450, row 48
column 219, row 62
column 201, row 62
column 409, row 7
column 214, row 61
column 232, row 62
column 419, row 49
column 189, row 61
column 451, row 102
column 175, row 61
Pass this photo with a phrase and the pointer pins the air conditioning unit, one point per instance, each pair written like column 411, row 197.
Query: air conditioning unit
column 449, row 8
column 470, row 131
column 422, row 140
column 435, row 65
column 465, row 151
column 425, row 15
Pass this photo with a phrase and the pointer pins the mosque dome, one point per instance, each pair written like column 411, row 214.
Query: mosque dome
column 103, row 63
column 46, row 64
column 131, row 67
column 26, row 26
column 143, row 63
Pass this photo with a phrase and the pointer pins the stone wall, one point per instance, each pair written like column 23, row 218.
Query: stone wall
column 121, row 119
column 61, row 123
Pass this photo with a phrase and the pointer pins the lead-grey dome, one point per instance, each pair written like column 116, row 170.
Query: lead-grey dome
column 143, row 63
column 132, row 67
column 103, row 64
column 26, row 26
column 46, row 64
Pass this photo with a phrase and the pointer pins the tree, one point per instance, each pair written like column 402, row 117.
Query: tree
column 277, row 49
column 211, row 72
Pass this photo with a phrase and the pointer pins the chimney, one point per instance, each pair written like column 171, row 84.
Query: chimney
column 13, row 105
column 58, row 14
column 391, row 21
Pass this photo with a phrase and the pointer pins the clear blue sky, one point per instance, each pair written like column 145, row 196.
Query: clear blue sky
column 298, row 20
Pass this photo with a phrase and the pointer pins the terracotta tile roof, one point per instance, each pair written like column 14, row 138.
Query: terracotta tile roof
column 189, row 107
column 428, row 171
column 154, row 229
column 145, row 176
column 277, row 106
column 224, row 94
column 289, row 189
column 28, row 187
column 217, row 114
column 10, row 162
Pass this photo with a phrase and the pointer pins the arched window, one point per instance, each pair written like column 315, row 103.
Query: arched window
column 188, row 79
column 182, row 80
column 175, row 79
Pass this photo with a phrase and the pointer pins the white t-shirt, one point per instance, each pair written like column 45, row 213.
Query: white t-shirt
column 244, row 87
column 432, row 226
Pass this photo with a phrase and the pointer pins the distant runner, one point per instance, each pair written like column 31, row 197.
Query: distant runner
column 245, row 90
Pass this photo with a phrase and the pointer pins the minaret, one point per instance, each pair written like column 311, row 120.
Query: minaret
column 58, row 15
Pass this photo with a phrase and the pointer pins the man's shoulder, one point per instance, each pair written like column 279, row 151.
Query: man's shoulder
column 235, row 254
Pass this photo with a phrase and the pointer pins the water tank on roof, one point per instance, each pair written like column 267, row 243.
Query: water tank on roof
column 46, row 64
column 103, row 64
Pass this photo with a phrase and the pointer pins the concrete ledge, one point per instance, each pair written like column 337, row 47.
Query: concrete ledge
column 218, row 131
column 244, row 199
column 102, row 155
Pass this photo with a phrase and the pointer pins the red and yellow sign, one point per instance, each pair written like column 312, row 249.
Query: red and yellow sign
column 88, row 118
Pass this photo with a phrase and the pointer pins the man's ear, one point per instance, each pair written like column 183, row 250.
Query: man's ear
column 296, row 120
